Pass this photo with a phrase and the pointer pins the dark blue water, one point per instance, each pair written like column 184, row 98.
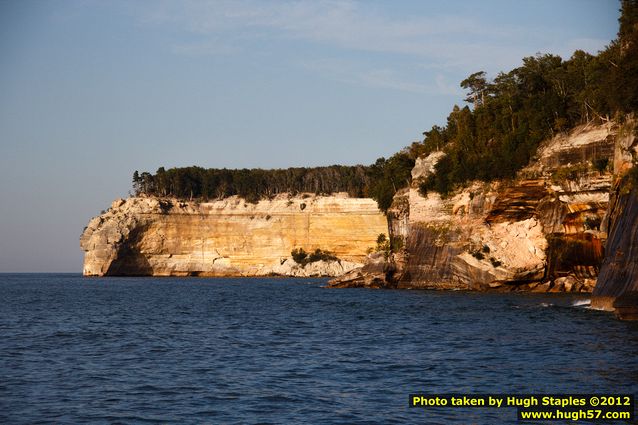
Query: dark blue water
column 143, row 350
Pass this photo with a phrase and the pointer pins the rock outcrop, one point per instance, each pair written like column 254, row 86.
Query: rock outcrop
column 617, row 285
column 546, row 230
column 619, row 272
column 373, row 274
column 230, row 237
column 539, row 232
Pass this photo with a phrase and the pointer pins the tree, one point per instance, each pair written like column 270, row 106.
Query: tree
column 136, row 182
column 477, row 84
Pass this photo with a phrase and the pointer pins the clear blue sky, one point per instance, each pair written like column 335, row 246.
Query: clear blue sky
column 92, row 90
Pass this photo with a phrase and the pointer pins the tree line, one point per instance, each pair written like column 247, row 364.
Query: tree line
column 251, row 184
column 493, row 139
column 378, row 181
column 512, row 113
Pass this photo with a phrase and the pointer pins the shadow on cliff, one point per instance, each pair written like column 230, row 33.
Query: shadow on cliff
column 430, row 261
column 580, row 254
column 619, row 272
column 129, row 260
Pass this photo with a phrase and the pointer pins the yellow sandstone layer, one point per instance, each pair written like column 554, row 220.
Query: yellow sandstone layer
column 230, row 237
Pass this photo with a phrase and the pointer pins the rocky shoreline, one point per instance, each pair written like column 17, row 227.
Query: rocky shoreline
column 554, row 229
column 563, row 225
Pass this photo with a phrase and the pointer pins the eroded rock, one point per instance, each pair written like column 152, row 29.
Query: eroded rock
column 230, row 237
column 540, row 232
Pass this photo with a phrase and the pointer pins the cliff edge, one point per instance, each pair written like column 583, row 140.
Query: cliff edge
column 147, row 236
column 617, row 285
column 539, row 232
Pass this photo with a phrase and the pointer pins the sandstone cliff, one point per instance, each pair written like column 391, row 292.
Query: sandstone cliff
column 230, row 237
column 540, row 232
column 617, row 285
column 618, row 277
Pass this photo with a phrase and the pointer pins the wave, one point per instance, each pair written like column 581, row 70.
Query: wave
column 581, row 303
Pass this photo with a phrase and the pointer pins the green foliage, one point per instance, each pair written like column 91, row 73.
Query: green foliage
column 495, row 262
column 511, row 114
column 482, row 252
column 621, row 89
column 254, row 184
column 570, row 173
column 299, row 255
column 302, row 257
column 441, row 181
column 387, row 246
column 383, row 245
column 478, row 86
column 319, row 255
column 515, row 111
column 478, row 255
column 388, row 176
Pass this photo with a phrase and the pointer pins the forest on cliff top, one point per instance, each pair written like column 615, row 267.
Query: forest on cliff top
column 492, row 137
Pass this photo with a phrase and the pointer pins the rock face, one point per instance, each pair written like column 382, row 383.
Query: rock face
column 617, row 285
column 374, row 274
column 540, row 232
column 619, row 272
column 230, row 237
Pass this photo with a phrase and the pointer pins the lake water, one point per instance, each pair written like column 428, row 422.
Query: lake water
column 195, row 350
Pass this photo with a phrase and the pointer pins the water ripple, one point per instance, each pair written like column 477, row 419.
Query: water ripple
column 145, row 350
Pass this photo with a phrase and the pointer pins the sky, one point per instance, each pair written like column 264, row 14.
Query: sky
column 92, row 90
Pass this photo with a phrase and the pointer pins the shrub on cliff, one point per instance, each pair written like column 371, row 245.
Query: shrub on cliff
column 570, row 173
column 300, row 256
column 388, row 176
